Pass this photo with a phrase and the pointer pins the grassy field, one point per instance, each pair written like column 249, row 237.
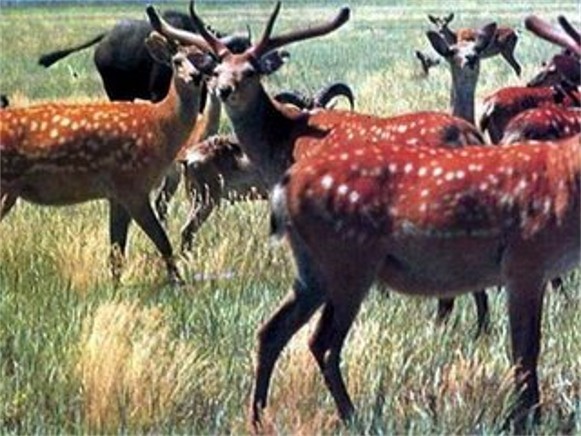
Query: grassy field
column 78, row 354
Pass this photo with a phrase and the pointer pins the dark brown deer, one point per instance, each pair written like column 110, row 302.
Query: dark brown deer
column 61, row 154
column 427, row 62
column 273, row 136
column 463, row 57
column 503, row 43
column 217, row 169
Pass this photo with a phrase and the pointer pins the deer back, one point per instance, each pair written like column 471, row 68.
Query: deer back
column 394, row 191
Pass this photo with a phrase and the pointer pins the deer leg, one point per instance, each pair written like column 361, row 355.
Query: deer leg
column 168, row 188
column 525, row 301
column 201, row 206
column 445, row 306
column 326, row 344
column 119, row 220
column 7, row 202
column 297, row 308
column 144, row 216
column 482, row 312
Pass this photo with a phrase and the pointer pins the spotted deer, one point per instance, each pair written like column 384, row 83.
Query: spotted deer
column 503, row 105
column 424, row 221
column 463, row 57
column 274, row 136
column 503, row 42
column 62, row 154
column 546, row 123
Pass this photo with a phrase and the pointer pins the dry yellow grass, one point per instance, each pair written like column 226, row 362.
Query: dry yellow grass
column 132, row 372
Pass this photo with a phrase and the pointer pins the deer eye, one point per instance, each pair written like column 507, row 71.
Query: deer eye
column 248, row 73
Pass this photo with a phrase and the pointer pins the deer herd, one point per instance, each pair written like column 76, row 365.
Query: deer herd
column 418, row 202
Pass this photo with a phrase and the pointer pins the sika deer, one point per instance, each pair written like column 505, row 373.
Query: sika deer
column 273, row 136
column 463, row 57
column 494, row 216
column 62, row 154
column 503, row 43
column 548, row 123
column 503, row 105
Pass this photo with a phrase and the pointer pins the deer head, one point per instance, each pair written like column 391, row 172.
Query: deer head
column 236, row 77
column 464, row 60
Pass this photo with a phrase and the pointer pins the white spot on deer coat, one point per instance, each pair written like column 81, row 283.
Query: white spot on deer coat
column 327, row 182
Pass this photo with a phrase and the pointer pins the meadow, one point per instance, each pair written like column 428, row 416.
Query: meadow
column 81, row 355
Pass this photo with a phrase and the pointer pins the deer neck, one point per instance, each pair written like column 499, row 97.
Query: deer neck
column 178, row 112
column 265, row 133
column 462, row 93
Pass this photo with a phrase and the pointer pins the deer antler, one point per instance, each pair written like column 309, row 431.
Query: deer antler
column 166, row 29
column 267, row 43
column 548, row 32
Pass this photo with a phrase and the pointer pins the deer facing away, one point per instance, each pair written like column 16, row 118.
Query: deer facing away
column 62, row 154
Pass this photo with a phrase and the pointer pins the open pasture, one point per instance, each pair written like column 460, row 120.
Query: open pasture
column 78, row 354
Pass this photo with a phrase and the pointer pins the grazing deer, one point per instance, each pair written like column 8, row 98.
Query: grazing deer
column 463, row 57
column 503, row 43
column 426, row 61
column 217, row 168
column 274, row 136
column 62, row 154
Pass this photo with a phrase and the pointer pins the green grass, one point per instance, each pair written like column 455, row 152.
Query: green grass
column 167, row 360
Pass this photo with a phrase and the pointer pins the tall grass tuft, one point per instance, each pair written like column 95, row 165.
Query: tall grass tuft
column 133, row 373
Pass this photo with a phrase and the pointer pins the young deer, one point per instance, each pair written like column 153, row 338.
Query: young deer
column 463, row 57
column 503, row 43
column 62, row 154
column 217, row 168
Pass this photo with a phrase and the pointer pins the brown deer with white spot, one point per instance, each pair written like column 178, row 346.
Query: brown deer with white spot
column 273, row 136
column 503, row 42
column 62, row 154
column 503, row 105
column 550, row 122
column 429, row 222
column 463, row 57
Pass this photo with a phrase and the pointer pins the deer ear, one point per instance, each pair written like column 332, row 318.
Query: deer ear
column 158, row 48
column 272, row 61
column 439, row 43
column 485, row 36
column 450, row 17
column 433, row 19
column 203, row 62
